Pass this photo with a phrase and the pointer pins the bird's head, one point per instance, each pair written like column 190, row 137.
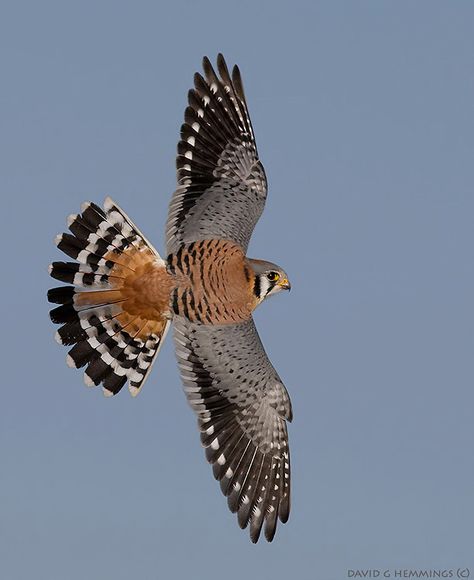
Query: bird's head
column 269, row 279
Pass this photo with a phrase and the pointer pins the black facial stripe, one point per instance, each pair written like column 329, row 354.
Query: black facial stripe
column 256, row 286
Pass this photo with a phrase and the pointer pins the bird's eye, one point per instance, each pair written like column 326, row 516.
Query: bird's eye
column 273, row 276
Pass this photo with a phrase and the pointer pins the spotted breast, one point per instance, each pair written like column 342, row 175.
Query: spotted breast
column 213, row 283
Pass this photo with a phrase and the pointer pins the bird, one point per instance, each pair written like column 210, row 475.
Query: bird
column 122, row 297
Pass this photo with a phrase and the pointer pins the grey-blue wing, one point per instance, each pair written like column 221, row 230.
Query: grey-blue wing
column 221, row 182
column 242, row 408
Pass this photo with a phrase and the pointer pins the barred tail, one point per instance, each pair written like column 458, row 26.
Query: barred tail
column 116, row 313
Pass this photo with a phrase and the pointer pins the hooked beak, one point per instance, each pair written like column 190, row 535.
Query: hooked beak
column 285, row 284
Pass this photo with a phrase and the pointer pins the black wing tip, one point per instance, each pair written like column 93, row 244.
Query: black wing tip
column 206, row 63
column 245, row 518
column 243, row 523
column 284, row 512
column 237, row 82
column 223, row 70
column 198, row 80
column 254, row 539
column 270, row 533
column 269, row 530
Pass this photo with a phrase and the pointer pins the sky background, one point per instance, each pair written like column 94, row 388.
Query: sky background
column 363, row 113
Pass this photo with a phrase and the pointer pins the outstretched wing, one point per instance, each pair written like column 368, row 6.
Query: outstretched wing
column 242, row 408
column 221, row 182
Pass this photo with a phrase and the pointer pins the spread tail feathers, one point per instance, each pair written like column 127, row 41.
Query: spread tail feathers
column 116, row 312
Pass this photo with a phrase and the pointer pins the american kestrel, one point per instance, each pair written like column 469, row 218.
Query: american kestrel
column 123, row 297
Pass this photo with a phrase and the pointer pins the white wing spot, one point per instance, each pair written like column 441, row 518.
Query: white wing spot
column 71, row 218
column 191, row 140
column 70, row 362
column 221, row 460
column 229, row 473
column 215, row 444
column 88, row 381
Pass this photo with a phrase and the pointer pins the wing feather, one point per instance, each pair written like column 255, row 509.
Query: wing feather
column 242, row 408
column 221, row 182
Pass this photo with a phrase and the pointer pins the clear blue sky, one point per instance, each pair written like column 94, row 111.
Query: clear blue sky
column 363, row 113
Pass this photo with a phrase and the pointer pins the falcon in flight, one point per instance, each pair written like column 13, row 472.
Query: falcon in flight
column 123, row 296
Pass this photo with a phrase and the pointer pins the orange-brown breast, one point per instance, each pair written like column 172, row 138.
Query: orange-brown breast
column 213, row 282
